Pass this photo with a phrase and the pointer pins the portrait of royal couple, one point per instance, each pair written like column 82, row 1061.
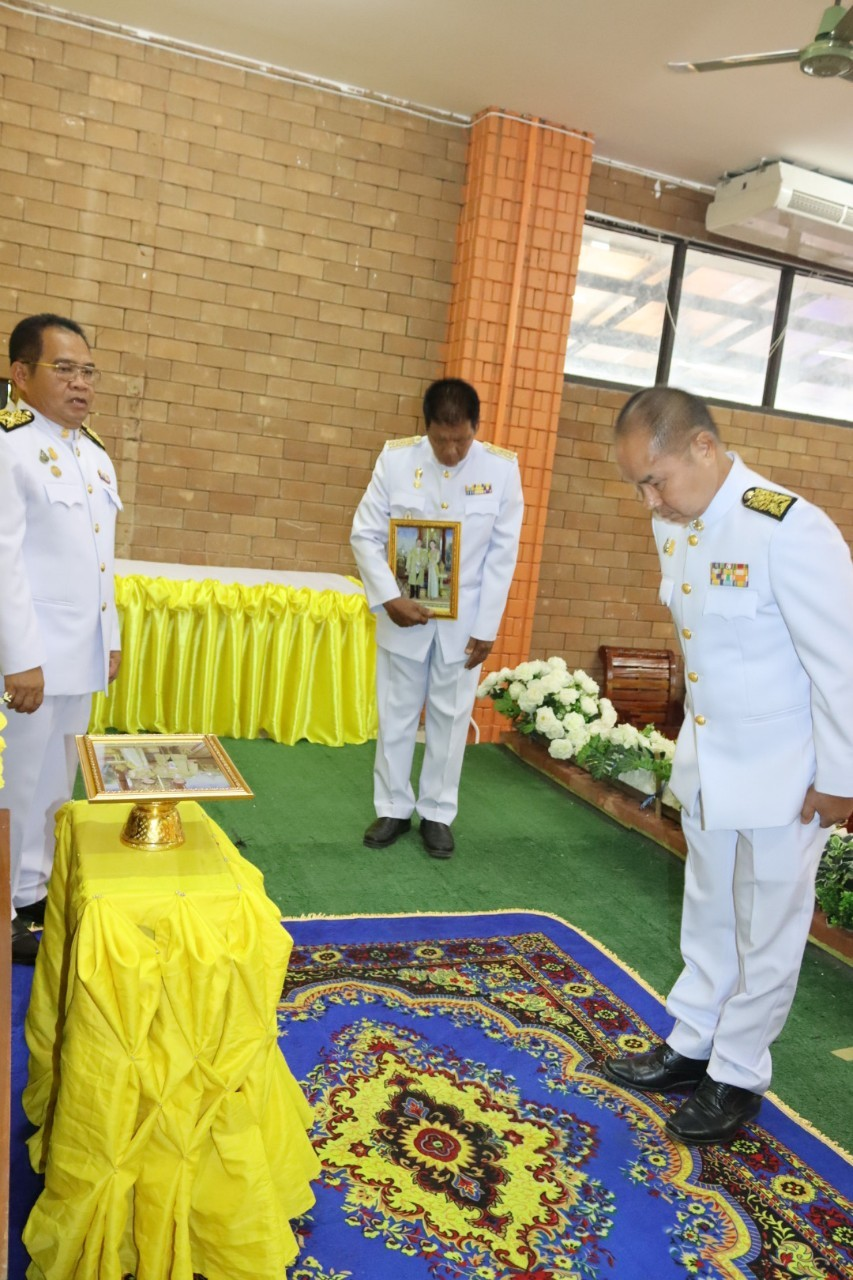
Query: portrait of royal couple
column 424, row 561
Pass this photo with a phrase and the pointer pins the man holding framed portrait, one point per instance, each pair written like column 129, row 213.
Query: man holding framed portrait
column 456, row 501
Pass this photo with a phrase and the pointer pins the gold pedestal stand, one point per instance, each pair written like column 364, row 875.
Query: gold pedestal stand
column 153, row 824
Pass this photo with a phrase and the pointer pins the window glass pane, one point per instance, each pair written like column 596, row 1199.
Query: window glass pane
column 618, row 308
column 816, row 375
column 725, row 322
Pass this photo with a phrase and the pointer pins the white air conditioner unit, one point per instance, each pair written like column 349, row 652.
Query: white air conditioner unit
column 792, row 210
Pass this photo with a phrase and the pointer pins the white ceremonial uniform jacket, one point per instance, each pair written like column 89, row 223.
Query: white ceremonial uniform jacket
column 58, row 507
column 482, row 492
column 762, row 598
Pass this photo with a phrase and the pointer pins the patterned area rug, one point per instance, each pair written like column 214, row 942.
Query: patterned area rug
column 466, row 1129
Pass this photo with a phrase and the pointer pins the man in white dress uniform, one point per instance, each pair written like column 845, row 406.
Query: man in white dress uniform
column 59, row 636
column 760, row 586
column 446, row 474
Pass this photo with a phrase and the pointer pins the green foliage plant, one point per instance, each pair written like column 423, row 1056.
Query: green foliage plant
column 834, row 883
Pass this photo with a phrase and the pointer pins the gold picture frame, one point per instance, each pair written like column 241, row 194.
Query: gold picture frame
column 155, row 771
column 424, row 558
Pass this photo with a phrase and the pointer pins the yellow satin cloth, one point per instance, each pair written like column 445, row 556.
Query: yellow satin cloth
column 172, row 1135
column 240, row 662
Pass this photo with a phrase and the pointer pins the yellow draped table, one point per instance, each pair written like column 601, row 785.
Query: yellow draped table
column 241, row 659
column 171, row 1133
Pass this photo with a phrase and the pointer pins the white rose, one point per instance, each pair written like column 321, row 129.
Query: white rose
column 547, row 723
column 589, row 706
column 553, row 682
column 558, row 664
column 608, row 712
column 561, row 749
column 536, row 692
column 526, row 703
column 515, row 690
column 663, row 746
column 625, row 735
column 585, row 683
column 568, row 696
column 579, row 736
column 524, row 671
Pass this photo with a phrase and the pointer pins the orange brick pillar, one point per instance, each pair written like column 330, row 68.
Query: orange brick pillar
column 514, row 277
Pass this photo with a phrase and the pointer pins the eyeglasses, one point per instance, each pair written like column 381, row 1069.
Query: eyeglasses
column 67, row 371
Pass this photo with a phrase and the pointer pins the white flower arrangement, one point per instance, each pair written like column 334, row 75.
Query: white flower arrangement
column 545, row 698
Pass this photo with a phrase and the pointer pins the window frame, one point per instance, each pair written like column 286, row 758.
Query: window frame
column 788, row 273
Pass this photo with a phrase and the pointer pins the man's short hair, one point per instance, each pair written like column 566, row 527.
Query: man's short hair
column 451, row 402
column 672, row 418
column 26, row 339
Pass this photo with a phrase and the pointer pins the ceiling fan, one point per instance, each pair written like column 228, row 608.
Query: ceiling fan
column 830, row 53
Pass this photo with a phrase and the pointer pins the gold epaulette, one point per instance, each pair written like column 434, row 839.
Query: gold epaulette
column 499, row 452
column 11, row 419
column 768, row 502
column 94, row 437
column 398, row 444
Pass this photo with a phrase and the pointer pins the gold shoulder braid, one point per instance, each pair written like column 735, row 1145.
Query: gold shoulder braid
column 94, row 437
column 769, row 502
column 499, row 452
column 10, row 419
column 398, row 444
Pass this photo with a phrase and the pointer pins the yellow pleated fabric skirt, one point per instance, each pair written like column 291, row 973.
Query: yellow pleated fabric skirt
column 171, row 1133
column 242, row 662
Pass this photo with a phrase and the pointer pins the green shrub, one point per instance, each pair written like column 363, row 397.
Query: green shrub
column 834, row 883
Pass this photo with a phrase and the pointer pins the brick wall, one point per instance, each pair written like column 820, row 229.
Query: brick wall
column 263, row 268
column 600, row 575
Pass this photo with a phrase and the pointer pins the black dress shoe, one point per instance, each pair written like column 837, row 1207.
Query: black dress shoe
column 660, row 1068
column 437, row 838
column 385, row 831
column 25, row 945
column 714, row 1113
column 33, row 913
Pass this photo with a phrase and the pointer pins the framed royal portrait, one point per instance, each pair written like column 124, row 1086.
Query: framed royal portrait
column 424, row 558
column 152, row 766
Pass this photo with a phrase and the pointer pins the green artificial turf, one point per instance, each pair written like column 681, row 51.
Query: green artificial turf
column 522, row 842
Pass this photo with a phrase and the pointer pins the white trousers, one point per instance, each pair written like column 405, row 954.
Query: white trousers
column 748, row 904
column 403, row 687
column 39, row 768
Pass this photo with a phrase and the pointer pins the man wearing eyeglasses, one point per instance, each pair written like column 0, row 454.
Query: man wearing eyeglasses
column 59, row 636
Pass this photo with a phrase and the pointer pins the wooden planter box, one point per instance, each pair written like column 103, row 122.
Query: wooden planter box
column 622, row 804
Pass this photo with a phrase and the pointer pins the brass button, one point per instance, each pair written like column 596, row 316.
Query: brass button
column 104, row 607
column 698, row 526
column 687, row 633
column 89, row 489
column 446, row 475
column 77, row 451
column 97, row 528
column 692, row 676
column 686, row 588
column 103, row 568
column 444, row 506
column 693, row 540
column 700, row 719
